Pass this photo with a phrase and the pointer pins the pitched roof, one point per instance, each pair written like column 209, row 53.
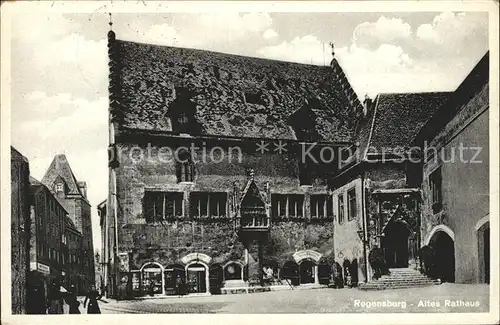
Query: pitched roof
column 60, row 168
column 397, row 118
column 233, row 95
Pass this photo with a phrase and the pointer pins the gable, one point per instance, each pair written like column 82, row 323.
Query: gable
column 252, row 197
column 60, row 169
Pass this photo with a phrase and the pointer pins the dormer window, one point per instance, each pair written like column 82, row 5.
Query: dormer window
column 59, row 187
column 182, row 112
column 255, row 98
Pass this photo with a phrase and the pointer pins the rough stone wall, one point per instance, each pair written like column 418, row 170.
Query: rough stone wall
column 169, row 241
column 465, row 185
column 20, row 230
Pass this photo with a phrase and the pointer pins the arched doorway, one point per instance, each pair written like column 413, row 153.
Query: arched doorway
column 307, row 271
column 444, row 248
column 290, row 272
column 395, row 244
column 483, row 240
column 197, row 278
column 153, row 278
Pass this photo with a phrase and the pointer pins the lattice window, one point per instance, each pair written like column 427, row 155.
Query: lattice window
column 162, row 205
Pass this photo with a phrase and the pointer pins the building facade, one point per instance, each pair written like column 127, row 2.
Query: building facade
column 72, row 194
column 376, row 193
column 48, row 254
column 73, row 246
column 213, row 182
column 455, row 212
column 20, row 230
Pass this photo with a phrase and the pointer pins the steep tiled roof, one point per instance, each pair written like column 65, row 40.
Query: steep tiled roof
column 397, row 118
column 60, row 168
column 233, row 95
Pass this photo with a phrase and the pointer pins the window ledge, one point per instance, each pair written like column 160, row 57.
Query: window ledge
column 186, row 183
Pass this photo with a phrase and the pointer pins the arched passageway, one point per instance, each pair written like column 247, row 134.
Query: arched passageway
column 197, row 278
column 307, row 271
column 483, row 241
column 395, row 244
column 152, row 278
column 444, row 248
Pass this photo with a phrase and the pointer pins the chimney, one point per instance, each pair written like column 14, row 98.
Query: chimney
column 367, row 105
column 82, row 186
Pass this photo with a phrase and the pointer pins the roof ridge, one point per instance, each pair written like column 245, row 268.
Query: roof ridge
column 224, row 53
column 375, row 110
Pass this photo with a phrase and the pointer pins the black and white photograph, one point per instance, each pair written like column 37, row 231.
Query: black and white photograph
column 326, row 159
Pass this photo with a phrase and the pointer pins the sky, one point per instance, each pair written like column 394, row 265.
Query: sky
column 59, row 97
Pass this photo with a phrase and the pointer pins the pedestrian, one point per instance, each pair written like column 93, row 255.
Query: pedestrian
column 178, row 285
column 55, row 298
column 72, row 300
column 152, row 288
column 92, row 297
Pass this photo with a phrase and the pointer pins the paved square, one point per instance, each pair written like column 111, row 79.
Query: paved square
column 441, row 298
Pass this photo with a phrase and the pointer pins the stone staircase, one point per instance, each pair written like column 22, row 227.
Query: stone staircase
column 400, row 278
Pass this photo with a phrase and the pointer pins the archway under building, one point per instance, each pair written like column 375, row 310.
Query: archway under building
column 197, row 277
column 483, row 243
column 395, row 244
column 307, row 271
column 153, row 278
column 444, row 248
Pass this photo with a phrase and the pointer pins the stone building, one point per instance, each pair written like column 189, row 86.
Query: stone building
column 213, row 181
column 48, row 254
column 455, row 211
column 376, row 192
column 72, row 194
column 20, row 225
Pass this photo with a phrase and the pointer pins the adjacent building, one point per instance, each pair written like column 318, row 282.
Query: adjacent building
column 47, row 252
column 218, row 168
column 455, row 185
column 20, row 230
column 72, row 195
column 376, row 193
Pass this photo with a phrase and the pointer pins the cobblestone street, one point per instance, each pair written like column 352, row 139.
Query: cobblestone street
column 440, row 298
